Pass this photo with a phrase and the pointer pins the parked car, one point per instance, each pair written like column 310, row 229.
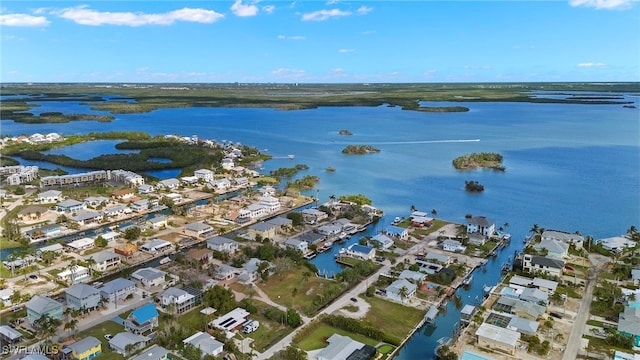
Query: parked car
column 108, row 336
column 354, row 299
column 33, row 277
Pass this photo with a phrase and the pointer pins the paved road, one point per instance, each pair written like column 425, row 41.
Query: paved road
column 580, row 322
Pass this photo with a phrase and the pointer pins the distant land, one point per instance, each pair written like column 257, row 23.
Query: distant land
column 139, row 98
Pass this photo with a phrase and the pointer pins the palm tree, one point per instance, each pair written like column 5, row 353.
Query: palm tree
column 632, row 230
column 413, row 208
column 403, row 292
column 48, row 256
column 71, row 325
column 73, row 266
column 90, row 263
column 535, row 229
column 434, row 212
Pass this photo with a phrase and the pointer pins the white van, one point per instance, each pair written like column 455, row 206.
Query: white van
column 250, row 326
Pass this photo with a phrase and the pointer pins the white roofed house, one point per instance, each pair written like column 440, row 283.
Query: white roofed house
column 382, row 241
column 453, row 246
column 148, row 277
column 256, row 211
column 105, row 260
column 219, row 184
column 481, row 225
column 198, row 229
column 498, row 339
column 70, row 206
column 206, row 343
column 204, row 174
column 567, row 238
column 401, row 290
column 169, row 184
column 96, row 200
column 189, row 180
column 178, row 301
column 301, row 245
column 146, row 189
column 226, row 272
column 227, row 163
column 223, row 244
column 156, row 246
column 86, row 217
column 140, row 205
column 343, row 347
column 312, row 216
column 116, row 210
column 74, row 274
column 81, row 244
column 554, row 248
column 270, row 202
column 50, row 196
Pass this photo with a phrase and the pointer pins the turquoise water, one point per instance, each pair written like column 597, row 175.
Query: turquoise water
column 569, row 167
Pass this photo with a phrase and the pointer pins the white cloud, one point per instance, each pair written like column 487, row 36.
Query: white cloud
column 295, row 37
column 603, row 4
column 288, row 73
column 85, row 16
column 23, row 20
column 239, row 9
column 590, row 64
column 332, row 2
column 364, row 10
column 322, row 15
column 268, row 8
column 346, row 50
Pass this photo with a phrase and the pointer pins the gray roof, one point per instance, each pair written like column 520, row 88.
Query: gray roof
column 42, row 304
column 399, row 284
column 153, row 353
column 498, row 334
column 544, row 283
column 629, row 327
column 116, row 284
column 520, row 280
column 85, row 215
column 481, row 221
column 148, row 274
column 121, row 340
column 103, row 256
column 174, row 291
column 412, row 275
column 279, row 221
column 9, row 332
column 85, row 344
column 263, row 226
column 203, row 341
column 69, row 203
column 197, row 226
column 340, row 347
column 219, row 240
column 82, row 291
column 523, row 326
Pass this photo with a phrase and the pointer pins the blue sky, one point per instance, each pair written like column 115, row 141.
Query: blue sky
column 319, row 41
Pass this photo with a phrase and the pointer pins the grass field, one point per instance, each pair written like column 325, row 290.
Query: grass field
column 396, row 320
column 315, row 340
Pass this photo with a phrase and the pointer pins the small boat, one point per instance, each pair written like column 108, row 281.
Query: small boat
column 291, row 156
column 467, row 280
column 310, row 255
column 165, row 260
column 343, row 235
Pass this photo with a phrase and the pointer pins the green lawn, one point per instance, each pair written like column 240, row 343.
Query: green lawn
column 315, row 340
column 396, row 320
column 437, row 224
column 99, row 331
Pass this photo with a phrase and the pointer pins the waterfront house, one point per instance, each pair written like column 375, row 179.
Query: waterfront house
column 565, row 237
column 330, row 229
column 205, row 342
column 398, row 232
column 219, row 184
column 44, row 232
column 521, row 308
column 481, row 225
column 313, row 216
column 545, row 285
column 56, row 248
column 146, row 189
column 9, row 335
column 168, row 184
column 303, row 246
column 70, row 206
column 360, row 252
column 401, row 290
column 86, row 217
column 204, row 174
column 148, row 277
column 467, row 313
column 343, row 347
column 554, row 248
column 158, row 222
column 257, row 211
column 198, row 229
column 75, row 274
column 117, row 210
column 270, row 202
column 126, row 343
column 616, row 244
column 453, row 246
column 382, row 241
column 311, row 237
column 49, row 196
column 142, row 320
column 227, row 163
column 117, row 289
column 174, row 197
column 181, row 300
column 85, row 349
column 156, row 246
column 549, row 266
column 82, row 297
column 262, row 231
column 223, row 244
column 140, row 205
column 497, row 339
column 38, row 306
column 241, row 182
column 476, row 239
column 155, row 352
column 80, row 244
column 421, row 221
column 105, row 260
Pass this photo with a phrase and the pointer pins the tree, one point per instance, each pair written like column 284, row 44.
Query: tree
column 535, row 229
column 403, row 292
column 100, row 242
column 132, row 233
column 46, row 326
column 293, row 318
column 90, row 264
column 413, row 208
column 71, row 325
column 434, row 212
column 191, row 352
column 48, row 256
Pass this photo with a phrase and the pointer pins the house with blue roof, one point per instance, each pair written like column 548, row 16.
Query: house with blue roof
column 398, row 232
column 142, row 320
column 360, row 252
column 382, row 241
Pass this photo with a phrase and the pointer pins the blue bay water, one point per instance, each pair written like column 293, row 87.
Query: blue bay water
column 569, row 167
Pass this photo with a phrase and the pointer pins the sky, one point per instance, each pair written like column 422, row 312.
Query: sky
column 319, row 41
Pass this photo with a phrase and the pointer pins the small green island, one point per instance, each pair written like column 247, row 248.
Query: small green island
column 359, row 150
column 473, row 186
column 479, row 160
column 345, row 132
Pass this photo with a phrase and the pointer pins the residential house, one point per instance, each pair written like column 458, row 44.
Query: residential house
column 32, row 212
column 629, row 324
column 140, row 205
column 467, row 313
column 115, row 211
column 270, row 202
column 565, row 237
column 330, row 229
column 174, row 197
column 549, row 266
column 453, row 246
column 5, row 296
column 313, row 216
column 155, row 352
column 227, row 163
column 497, row 339
column 414, row 276
column 189, row 180
column 82, row 297
column 617, row 243
column 105, row 260
column 241, row 182
column 146, row 189
column 169, row 184
column 200, row 256
column 219, row 184
column 38, row 306
column 49, row 196
column 343, row 347
column 156, row 246
column 545, row 285
column 81, row 244
column 303, row 246
column 554, row 248
column 123, row 194
column 181, row 300
column 148, row 277
column 382, row 241
column 198, row 229
column 94, row 201
column 158, row 222
column 521, row 308
column 126, row 343
column 476, row 239
column 117, row 289
column 44, row 232
column 401, row 290
column 9, row 335
column 70, row 206
column 74, row 275
column 223, row 244
column 281, row 223
column 85, row 349
column 204, row 174
column 142, row 320
column 56, row 248
column 127, row 177
column 205, row 342
column 231, row 321
column 267, row 190
column 398, row 232
column 256, row 211
column 226, row 272
column 250, row 270
column 85, row 217
column 523, row 326
column 481, row 225
column 262, row 231
column 535, row 296
column 439, row 258
column 360, row 252
column 421, row 221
